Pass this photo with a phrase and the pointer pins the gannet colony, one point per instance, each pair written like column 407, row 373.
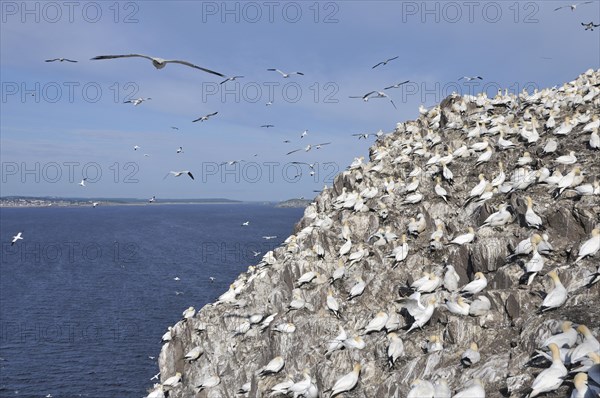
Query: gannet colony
column 460, row 261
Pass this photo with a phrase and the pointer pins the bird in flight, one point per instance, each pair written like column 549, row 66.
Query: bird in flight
column 180, row 149
column 175, row 128
column 378, row 94
column 245, row 223
column 136, row 101
column 385, row 62
column 469, row 78
column 152, row 199
column 285, row 75
column 16, row 238
column 303, row 133
column 269, row 103
column 230, row 79
column 590, row 26
column 267, row 125
column 135, row 147
column 269, row 237
column 179, row 173
column 82, row 183
column 60, row 60
column 309, row 147
column 205, row 117
column 573, row 6
column 94, row 204
column 362, row 135
column 159, row 63
column 397, row 85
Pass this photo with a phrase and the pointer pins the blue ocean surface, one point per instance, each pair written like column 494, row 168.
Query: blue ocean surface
column 87, row 294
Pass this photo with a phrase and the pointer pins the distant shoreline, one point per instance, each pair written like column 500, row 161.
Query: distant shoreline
column 100, row 204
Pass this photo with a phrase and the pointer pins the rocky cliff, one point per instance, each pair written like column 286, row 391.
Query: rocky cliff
column 453, row 190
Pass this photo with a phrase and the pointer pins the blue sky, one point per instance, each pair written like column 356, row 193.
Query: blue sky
column 76, row 123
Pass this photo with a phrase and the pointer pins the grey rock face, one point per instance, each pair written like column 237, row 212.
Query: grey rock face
column 507, row 335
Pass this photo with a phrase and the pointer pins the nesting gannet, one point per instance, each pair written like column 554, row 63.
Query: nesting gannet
column 439, row 190
column 480, row 306
column 357, row 289
column 232, row 78
column 568, row 336
column 245, row 388
column 172, row 381
column 573, row 6
column 471, row 356
column 557, row 296
column 285, row 328
column 385, row 62
column 590, row 247
column 274, row 366
column 16, row 238
column 307, row 277
column 421, row 389
column 400, row 252
column 209, row 382
column 168, row 336
column 301, row 387
column 567, row 159
column 137, row 101
column 551, row 146
column 465, row 238
column 441, row 389
column 60, row 60
column 267, row 321
column 194, row 354
column 476, row 390
column 159, row 63
column 418, row 225
column 188, row 313
column 421, row 314
column 532, row 219
column 205, row 117
column 551, row 378
column 458, row 307
column 581, row 384
column 499, row 218
column 476, row 285
column 285, row 75
column 332, row 304
column 589, row 345
column 395, row 348
column 451, row 278
column 179, row 173
column 433, row 344
column 397, row 85
column 534, row 265
column 157, row 392
column 377, row 323
column 346, row 382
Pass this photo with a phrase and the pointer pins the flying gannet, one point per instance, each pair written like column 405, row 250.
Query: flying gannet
column 232, row 78
column 16, row 238
column 573, row 6
column 397, row 85
column 60, row 60
column 159, row 63
column 179, row 173
column 285, row 75
column 137, row 101
column 385, row 62
column 205, row 117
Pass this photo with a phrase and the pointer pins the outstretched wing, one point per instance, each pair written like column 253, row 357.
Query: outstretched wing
column 175, row 61
column 121, row 56
column 295, row 150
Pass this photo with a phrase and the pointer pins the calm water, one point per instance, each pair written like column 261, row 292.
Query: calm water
column 86, row 296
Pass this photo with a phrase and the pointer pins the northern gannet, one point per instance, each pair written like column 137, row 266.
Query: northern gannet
column 568, row 336
column 400, row 252
column 465, row 238
column 137, row 101
column 172, row 381
column 471, row 356
column 159, row 63
column 420, row 313
column 205, row 117
column 441, row 389
column 476, row 390
column 385, row 62
column 274, row 366
column 357, row 289
column 573, row 6
column 395, row 348
column 60, row 60
column 188, row 313
column 305, row 278
column 267, row 125
column 82, row 182
column 309, row 147
column 346, row 382
column 590, row 247
column 451, row 278
column 476, row 285
column 230, row 79
column 480, row 306
column 458, row 307
column 421, row 389
column 532, row 219
column 469, row 78
column 433, row 344
column 16, row 238
column 179, row 173
column 377, row 323
column 557, row 296
column 209, row 382
column 499, row 218
column 397, row 85
column 567, row 159
column 332, row 304
column 589, row 345
column 285, row 328
column 168, row 336
column 581, row 384
column 551, row 378
column 194, row 354
column 285, row 75
column 534, row 265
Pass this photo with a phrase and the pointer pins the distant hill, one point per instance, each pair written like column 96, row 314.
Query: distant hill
column 294, row 203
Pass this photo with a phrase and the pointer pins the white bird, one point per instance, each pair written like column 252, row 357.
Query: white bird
column 285, row 75
column 551, row 378
column 346, row 382
column 573, row 6
column 205, row 117
column 465, row 238
column 274, row 366
column 209, row 382
column 532, row 219
column 557, row 296
column 471, row 356
column 421, row 389
column 480, row 306
column 534, row 265
column 469, row 78
column 232, row 78
column 451, row 278
column 476, row 390
column 245, row 224
column 82, row 183
column 15, row 238
column 309, row 147
column 400, row 252
column 172, row 381
column 377, row 323
column 396, row 85
column 159, row 63
column 420, row 313
column 332, row 304
column 194, row 354
column 441, row 389
column 589, row 345
column 458, row 307
column 581, row 385
column 499, row 218
column 357, row 289
column 136, row 101
column 567, row 159
column 168, row 336
column 60, row 60
column 301, row 387
column 395, row 348
column 180, row 149
column 476, row 285
column 307, row 277
column 179, row 173
column 385, row 62
column 590, row 247
column 568, row 336
column 188, row 313
column 94, row 204
column 285, row 328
